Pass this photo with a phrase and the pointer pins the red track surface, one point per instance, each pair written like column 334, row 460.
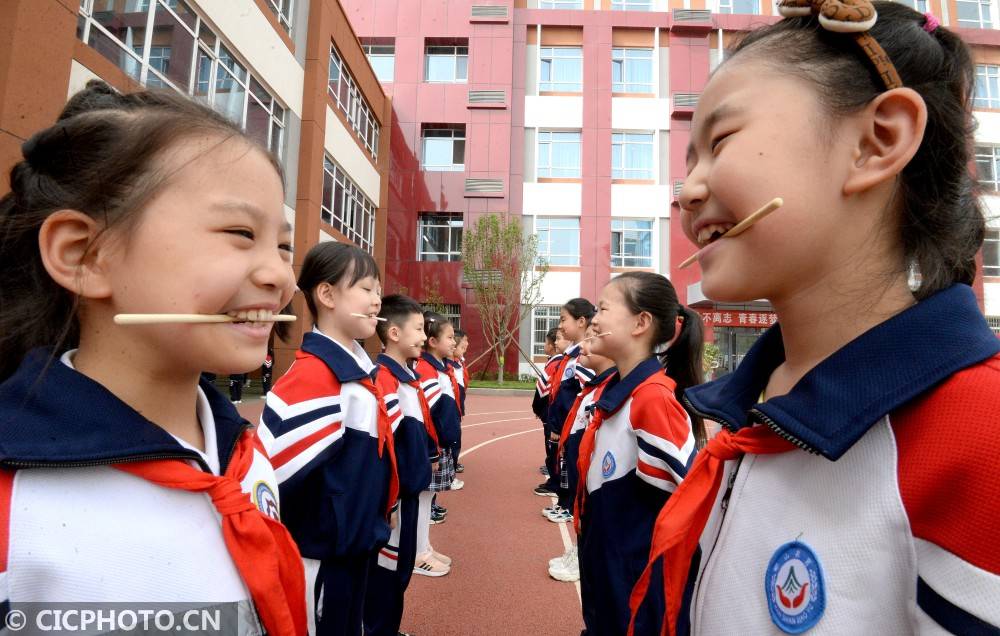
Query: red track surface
column 499, row 543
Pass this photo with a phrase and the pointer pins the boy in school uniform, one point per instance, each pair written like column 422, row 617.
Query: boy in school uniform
column 402, row 335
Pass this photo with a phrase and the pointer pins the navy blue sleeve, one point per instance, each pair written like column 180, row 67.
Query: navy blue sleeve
column 411, row 456
column 561, row 405
column 446, row 420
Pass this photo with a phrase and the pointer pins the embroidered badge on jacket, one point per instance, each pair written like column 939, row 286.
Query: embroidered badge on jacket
column 793, row 584
column 264, row 499
column 608, row 465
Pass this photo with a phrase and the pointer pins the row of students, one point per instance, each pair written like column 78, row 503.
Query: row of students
column 625, row 442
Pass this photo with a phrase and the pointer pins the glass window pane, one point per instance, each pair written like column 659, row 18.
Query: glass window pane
column 116, row 54
column 459, row 152
column 438, row 152
column 258, row 122
column 440, row 68
column 172, row 47
column 229, row 96
column 462, row 71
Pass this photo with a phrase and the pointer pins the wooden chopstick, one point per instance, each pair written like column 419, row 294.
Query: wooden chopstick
column 740, row 227
column 367, row 316
column 155, row 319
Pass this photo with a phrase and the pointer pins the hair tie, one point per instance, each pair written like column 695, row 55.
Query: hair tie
column 931, row 23
column 848, row 16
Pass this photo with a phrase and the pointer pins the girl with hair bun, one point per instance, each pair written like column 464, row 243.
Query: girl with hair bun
column 122, row 477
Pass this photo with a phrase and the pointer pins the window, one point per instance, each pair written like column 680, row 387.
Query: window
column 562, row 69
column 345, row 93
column 631, row 5
column 632, row 70
column 382, row 57
column 558, row 240
column 560, row 4
column 439, row 237
column 543, row 318
column 444, row 148
column 446, row 63
column 631, row 155
column 991, row 253
column 974, row 14
column 988, row 167
column 181, row 52
column 451, row 312
column 631, row 243
column 558, row 154
column 748, row 7
column 987, row 86
column 345, row 206
column 918, row 5
column 282, row 9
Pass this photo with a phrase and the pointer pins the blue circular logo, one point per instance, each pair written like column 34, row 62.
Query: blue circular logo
column 793, row 584
column 608, row 465
column 264, row 499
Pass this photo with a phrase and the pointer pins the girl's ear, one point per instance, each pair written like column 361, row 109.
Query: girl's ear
column 393, row 333
column 890, row 130
column 72, row 254
column 324, row 294
column 644, row 321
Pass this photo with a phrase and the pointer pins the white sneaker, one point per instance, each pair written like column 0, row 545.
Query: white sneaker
column 457, row 484
column 547, row 510
column 562, row 558
column 557, row 512
column 568, row 571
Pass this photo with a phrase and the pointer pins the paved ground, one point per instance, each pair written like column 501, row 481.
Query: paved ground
column 499, row 542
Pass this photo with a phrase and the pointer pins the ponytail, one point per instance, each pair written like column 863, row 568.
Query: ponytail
column 682, row 361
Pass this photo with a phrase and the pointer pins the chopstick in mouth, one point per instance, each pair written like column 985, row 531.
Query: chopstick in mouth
column 157, row 319
column 739, row 228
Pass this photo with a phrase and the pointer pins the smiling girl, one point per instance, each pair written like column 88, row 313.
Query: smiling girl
column 122, row 478
column 853, row 486
column 330, row 438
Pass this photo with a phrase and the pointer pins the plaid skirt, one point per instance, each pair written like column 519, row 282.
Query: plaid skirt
column 445, row 474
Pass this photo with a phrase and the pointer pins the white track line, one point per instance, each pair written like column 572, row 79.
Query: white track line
column 563, row 530
column 516, row 419
column 466, row 451
column 496, row 413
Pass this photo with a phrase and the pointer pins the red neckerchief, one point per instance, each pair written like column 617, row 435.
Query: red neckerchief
column 425, row 411
column 454, row 387
column 681, row 521
column 385, row 440
column 261, row 548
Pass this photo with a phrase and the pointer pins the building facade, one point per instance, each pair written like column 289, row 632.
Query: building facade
column 290, row 72
column 574, row 115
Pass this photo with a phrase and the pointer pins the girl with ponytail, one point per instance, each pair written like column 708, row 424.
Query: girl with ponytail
column 638, row 444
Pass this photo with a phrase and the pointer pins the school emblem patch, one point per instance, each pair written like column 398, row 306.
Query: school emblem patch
column 794, row 587
column 264, row 499
column 608, row 465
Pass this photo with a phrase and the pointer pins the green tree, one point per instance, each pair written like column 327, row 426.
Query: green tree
column 500, row 264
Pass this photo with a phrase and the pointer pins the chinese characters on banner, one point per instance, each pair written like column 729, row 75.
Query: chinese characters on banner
column 729, row 318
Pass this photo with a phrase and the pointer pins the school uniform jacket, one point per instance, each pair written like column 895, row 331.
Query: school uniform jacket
column 642, row 450
column 540, row 403
column 461, row 378
column 565, row 385
column 321, row 426
column 891, row 508
column 440, row 392
column 579, row 414
column 78, row 530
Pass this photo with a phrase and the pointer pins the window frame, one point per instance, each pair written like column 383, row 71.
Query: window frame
column 619, row 150
column 553, row 86
column 631, row 5
column 552, row 320
column 369, row 52
column 729, row 7
column 285, row 16
column 545, row 244
column 991, row 248
column 620, row 56
column 544, row 137
column 456, row 55
column 987, row 17
column 990, row 153
column 445, row 221
column 557, row 4
column 990, row 74
column 354, row 217
column 458, row 133
column 344, row 92
column 225, row 69
column 619, row 259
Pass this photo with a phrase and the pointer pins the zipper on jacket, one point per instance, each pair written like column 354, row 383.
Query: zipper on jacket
column 129, row 459
column 780, row 432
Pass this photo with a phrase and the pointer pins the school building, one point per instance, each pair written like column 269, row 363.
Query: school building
column 575, row 115
column 572, row 115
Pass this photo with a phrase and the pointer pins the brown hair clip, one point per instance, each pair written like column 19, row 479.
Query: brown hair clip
column 848, row 16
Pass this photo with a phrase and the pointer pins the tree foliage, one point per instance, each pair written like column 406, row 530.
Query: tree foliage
column 500, row 264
